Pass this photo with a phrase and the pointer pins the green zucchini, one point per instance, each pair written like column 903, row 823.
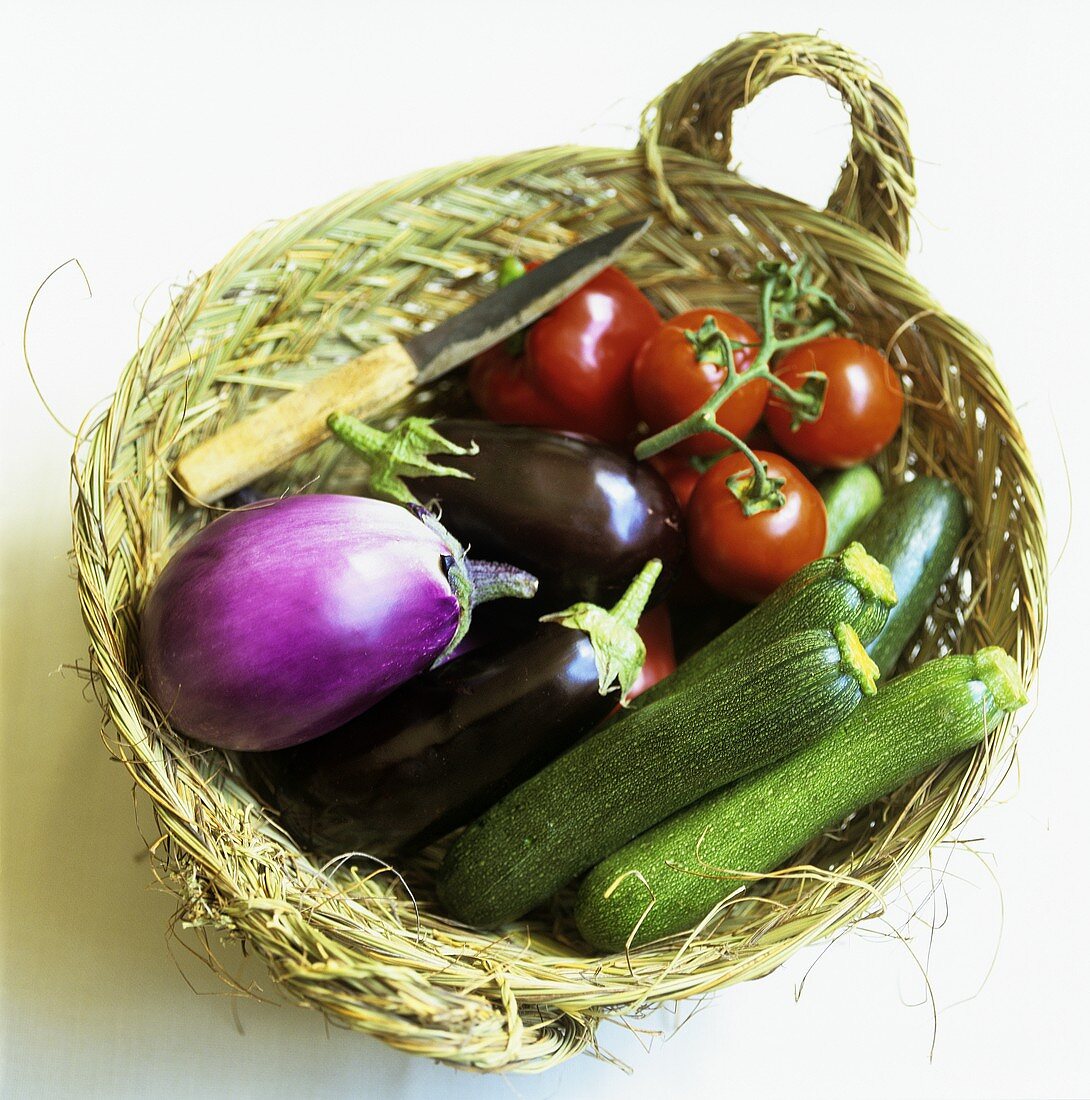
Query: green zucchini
column 916, row 535
column 631, row 774
column 912, row 724
column 851, row 496
column 850, row 587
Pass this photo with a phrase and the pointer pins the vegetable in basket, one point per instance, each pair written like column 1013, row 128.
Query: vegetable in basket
column 861, row 407
column 572, row 368
column 667, row 880
column 581, row 516
column 916, row 534
column 442, row 748
column 279, row 622
column 851, row 497
column 752, row 527
column 747, row 551
column 684, row 363
column 647, row 765
column 850, row 587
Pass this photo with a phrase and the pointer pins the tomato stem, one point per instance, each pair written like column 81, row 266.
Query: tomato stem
column 756, row 491
column 711, row 345
column 783, row 289
column 760, row 473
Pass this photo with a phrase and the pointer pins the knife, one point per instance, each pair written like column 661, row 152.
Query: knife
column 370, row 383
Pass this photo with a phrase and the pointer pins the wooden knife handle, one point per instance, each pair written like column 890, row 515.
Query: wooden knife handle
column 294, row 424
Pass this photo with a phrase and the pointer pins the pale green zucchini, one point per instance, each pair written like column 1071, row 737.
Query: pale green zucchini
column 851, row 497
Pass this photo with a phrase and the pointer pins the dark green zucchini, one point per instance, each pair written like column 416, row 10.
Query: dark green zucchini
column 916, row 535
column 851, row 497
column 644, row 767
column 911, row 725
column 849, row 587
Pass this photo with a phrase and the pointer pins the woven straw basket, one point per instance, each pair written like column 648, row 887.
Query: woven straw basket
column 365, row 943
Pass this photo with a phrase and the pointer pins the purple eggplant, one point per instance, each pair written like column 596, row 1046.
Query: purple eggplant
column 279, row 622
column 437, row 752
column 581, row 516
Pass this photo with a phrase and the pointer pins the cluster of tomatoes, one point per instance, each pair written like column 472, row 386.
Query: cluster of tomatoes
column 603, row 363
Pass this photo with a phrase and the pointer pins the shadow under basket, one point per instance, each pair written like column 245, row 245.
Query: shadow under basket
column 295, row 298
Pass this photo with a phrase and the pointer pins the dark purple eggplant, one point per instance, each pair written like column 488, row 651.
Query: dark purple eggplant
column 581, row 516
column 442, row 748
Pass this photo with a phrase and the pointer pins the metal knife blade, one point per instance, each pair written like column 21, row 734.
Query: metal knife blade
column 378, row 379
column 518, row 304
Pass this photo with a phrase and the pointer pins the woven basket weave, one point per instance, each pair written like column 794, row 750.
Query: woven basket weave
column 294, row 298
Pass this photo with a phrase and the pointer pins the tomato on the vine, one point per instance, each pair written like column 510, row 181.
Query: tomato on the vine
column 675, row 373
column 747, row 557
column 861, row 410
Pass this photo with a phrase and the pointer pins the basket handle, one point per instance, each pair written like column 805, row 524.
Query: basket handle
column 876, row 188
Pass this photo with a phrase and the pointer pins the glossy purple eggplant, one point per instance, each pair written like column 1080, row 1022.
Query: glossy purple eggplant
column 279, row 622
column 434, row 754
column 581, row 516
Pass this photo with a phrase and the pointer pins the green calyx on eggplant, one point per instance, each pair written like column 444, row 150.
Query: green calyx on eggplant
column 437, row 752
column 581, row 516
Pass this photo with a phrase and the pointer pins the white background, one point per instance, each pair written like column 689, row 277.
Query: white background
column 144, row 139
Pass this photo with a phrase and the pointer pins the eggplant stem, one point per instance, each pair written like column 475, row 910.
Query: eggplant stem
column 619, row 651
column 493, row 580
column 399, row 453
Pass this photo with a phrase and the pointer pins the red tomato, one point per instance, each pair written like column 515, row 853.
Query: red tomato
column 574, row 372
column 747, row 557
column 862, row 407
column 679, row 472
column 669, row 382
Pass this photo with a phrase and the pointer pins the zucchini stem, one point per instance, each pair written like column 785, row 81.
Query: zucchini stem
column 856, row 660
column 998, row 672
column 868, row 574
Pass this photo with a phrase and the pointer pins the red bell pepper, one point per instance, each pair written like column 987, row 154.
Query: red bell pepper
column 573, row 369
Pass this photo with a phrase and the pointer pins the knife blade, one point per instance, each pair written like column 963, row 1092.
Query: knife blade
column 375, row 381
